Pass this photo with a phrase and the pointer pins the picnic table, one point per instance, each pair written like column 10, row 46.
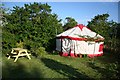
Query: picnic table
column 17, row 52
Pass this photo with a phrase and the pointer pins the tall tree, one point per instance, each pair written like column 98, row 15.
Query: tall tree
column 34, row 24
column 70, row 23
column 100, row 25
column 118, row 31
column 3, row 11
column 108, row 29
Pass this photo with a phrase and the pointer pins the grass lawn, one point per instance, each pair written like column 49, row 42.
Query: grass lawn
column 55, row 66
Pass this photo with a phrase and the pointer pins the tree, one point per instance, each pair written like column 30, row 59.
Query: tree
column 32, row 24
column 118, row 36
column 3, row 20
column 70, row 23
column 118, row 31
column 108, row 29
column 100, row 25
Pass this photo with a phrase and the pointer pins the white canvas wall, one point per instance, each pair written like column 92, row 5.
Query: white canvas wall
column 78, row 47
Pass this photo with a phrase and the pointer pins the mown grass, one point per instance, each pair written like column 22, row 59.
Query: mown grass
column 54, row 66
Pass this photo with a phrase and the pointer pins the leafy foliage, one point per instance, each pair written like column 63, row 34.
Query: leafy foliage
column 70, row 23
column 108, row 29
column 100, row 25
column 41, row 51
column 32, row 24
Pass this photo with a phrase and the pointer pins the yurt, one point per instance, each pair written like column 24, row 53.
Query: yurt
column 79, row 40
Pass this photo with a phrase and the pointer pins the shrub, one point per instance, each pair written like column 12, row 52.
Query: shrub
column 41, row 51
column 20, row 44
column 113, row 68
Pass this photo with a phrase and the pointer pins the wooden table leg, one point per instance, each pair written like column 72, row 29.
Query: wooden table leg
column 9, row 57
column 28, row 56
column 17, row 57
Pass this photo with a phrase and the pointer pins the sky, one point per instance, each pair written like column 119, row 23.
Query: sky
column 82, row 12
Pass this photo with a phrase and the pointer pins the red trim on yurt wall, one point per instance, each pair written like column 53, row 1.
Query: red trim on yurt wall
column 63, row 54
column 101, row 47
column 94, row 55
column 79, row 39
column 72, row 55
column 67, row 54
column 72, row 38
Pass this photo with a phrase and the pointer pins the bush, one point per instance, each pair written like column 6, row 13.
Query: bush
column 113, row 68
column 41, row 51
column 34, row 31
column 20, row 44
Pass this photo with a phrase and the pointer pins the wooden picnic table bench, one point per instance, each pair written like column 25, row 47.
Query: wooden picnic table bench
column 17, row 52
